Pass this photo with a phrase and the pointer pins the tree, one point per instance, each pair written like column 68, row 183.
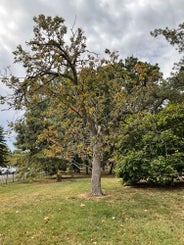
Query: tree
column 29, row 131
column 174, row 36
column 29, row 128
column 90, row 95
column 176, row 82
column 151, row 144
column 70, row 76
column 152, row 147
column 3, row 149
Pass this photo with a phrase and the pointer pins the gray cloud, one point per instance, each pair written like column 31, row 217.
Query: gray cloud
column 121, row 25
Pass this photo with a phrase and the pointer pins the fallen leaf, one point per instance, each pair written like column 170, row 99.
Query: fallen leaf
column 46, row 219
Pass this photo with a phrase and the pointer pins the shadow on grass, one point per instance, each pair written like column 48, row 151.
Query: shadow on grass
column 176, row 185
column 66, row 178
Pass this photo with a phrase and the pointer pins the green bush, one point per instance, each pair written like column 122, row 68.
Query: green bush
column 133, row 167
column 136, row 167
column 151, row 148
column 161, row 171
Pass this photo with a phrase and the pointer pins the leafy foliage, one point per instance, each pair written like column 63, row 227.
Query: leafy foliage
column 174, row 36
column 28, row 140
column 81, row 87
column 3, row 149
column 88, row 96
column 176, row 82
column 152, row 147
column 75, row 102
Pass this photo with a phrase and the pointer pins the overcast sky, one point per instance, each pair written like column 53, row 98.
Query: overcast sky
column 122, row 25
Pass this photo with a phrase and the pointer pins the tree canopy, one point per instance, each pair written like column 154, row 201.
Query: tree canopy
column 78, row 103
column 89, row 95
column 151, row 145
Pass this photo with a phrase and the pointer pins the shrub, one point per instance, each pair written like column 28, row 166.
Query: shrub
column 133, row 167
column 151, row 148
column 136, row 167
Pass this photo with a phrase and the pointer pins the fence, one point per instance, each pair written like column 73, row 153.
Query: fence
column 7, row 178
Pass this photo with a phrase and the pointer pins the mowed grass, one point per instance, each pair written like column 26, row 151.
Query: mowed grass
column 61, row 213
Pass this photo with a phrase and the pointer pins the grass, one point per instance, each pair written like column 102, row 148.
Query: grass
column 59, row 213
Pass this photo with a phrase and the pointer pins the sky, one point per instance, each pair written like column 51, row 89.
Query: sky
column 121, row 25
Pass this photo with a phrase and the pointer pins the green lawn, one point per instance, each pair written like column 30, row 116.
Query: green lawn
column 60, row 213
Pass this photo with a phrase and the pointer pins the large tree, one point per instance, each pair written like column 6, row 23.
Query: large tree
column 89, row 95
column 80, row 86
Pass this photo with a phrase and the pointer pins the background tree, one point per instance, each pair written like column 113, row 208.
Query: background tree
column 152, row 147
column 3, row 149
column 151, row 144
column 175, row 83
column 29, row 130
column 174, row 36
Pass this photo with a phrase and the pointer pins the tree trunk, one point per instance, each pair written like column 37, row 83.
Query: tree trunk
column 96, row 168
column 87, row 166
column 111, row 168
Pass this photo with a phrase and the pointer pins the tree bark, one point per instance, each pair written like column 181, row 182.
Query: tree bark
column 96, row 168
column 111, row 168
column 87, row 166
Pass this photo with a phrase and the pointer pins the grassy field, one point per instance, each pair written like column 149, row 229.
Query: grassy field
column 61, row 213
